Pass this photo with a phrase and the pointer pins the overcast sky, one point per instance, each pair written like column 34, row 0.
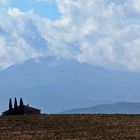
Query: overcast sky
column 101, row 32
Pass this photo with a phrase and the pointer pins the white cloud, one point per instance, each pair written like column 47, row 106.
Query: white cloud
column 18, row 37
column 4, row 1
column 15, row 12
column 136, row 5
column 102, row 32
column 115, row 25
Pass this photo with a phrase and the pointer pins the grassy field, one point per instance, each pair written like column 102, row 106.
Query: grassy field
column 70, row 127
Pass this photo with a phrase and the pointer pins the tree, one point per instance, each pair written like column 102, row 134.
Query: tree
column 21, row 107
column 15, row 107
column 10, row 107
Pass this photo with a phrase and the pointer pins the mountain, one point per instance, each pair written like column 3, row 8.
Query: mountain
column 120, row 108
column 56, row 84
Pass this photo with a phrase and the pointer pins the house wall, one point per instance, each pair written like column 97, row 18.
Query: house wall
column 31, row 111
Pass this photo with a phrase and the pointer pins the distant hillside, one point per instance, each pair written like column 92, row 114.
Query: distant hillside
column 121, row 108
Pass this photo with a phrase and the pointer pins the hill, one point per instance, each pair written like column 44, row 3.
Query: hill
column 56, row 84
column 120, row 108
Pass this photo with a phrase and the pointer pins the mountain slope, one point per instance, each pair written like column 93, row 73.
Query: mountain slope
column 121, row 108
column 55, row 84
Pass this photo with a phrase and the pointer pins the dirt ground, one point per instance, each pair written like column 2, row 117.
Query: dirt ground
column 70, row 127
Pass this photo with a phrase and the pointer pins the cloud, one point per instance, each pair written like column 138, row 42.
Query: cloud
column 4, row 1
column 106, row 31
column 18, row 37
column 101, row 32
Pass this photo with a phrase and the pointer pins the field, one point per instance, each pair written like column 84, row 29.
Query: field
column 70, row 127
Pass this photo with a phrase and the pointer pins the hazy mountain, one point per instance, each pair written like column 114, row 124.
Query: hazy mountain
column 121, row 108
column 55, row 85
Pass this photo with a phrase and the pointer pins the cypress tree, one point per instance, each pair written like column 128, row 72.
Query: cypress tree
column 15, row 107
column 21, row 107
column 10, row 107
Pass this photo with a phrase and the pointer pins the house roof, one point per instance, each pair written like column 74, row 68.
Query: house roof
column 28, row 107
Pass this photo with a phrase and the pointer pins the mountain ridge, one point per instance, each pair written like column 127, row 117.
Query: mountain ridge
column 116, row 108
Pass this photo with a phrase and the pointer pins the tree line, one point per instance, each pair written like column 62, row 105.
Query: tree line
column 16, row 110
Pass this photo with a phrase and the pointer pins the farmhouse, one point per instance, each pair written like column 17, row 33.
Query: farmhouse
column 30, row 110
column 21, row 109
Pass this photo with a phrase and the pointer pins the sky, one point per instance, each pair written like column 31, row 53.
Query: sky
column 98, row 32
